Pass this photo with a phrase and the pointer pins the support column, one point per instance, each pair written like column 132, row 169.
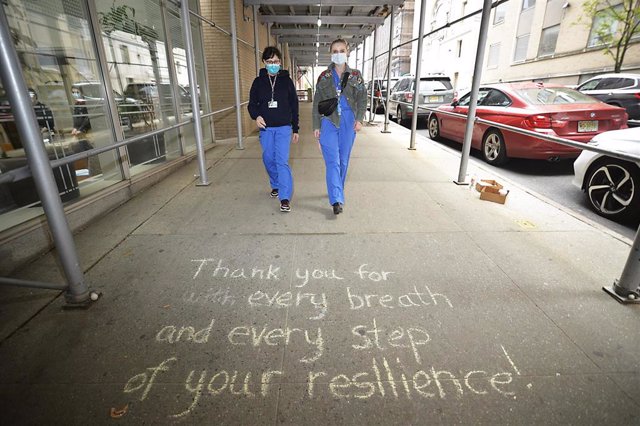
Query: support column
column 416, row 85
column 627, row 289
column 256, row 38
column 106, row 78
column 373, row 77
column 193, row 88
column 386, row 104
column 236, row 71
column 77, row 291
column 475, row 87
column 173, row 78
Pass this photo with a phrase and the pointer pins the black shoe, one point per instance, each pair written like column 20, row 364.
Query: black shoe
column 274, row 193
column 285, row 206
column 337, row 208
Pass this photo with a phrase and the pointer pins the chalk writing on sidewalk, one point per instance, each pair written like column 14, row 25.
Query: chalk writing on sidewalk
column 385, row 378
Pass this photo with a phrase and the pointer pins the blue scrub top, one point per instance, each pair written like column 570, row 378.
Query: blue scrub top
column 344, row 105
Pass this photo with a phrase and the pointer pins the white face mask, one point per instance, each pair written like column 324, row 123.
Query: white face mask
column 339, row 58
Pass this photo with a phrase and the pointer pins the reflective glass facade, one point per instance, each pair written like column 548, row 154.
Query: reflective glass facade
column 59, row 45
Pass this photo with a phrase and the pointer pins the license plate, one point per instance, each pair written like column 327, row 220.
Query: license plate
column 432, row 99
column 587, row 126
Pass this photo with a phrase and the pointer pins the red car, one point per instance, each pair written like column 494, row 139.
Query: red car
column 547, row 109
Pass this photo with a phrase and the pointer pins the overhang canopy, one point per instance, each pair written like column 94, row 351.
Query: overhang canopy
column 294, row 22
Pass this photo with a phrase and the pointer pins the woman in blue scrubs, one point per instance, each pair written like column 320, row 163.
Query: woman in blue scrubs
column 337, row 132
column 273, row 104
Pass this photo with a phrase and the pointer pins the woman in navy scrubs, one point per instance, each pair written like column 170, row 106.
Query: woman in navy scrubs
column 273, row 104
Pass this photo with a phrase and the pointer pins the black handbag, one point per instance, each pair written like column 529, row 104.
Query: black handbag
column 328, row 106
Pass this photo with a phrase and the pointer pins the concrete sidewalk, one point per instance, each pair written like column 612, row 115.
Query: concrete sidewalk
column 420, row 304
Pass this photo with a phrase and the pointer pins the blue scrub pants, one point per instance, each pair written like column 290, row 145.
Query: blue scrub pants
column 336, row 144
column 275, row 143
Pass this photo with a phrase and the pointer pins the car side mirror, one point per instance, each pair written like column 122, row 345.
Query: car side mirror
column 455, row 103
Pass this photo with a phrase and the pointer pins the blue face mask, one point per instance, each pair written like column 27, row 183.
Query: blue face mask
column 273, row 68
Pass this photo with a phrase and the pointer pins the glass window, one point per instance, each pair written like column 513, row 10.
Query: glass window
column 148, row 100
column 554, row 95
column 615, row 83
column 57, row 53
column 496, row 98
column 494, row 55
column 520, row 53
column 466, row 99
column 548, row 41
column 527, row 4
column 603, row 26
column 590, row 85
column 499, row 14
column 435, row 85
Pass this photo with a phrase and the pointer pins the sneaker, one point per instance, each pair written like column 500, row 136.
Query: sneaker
column 274, row 193
column 337, row 208
column 285, row 206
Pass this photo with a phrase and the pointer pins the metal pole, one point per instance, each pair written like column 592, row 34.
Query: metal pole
column 269, row 34
column 416, row 84
column 207, row 95
column 173, row 78
column 627, row 289
column 373, row 78
column 256, row 37
column 193, row 88
column 386, row 105
column 364, row 54
column 38, row 160
column 111, row 104
column 236, row 72
column 475, row 87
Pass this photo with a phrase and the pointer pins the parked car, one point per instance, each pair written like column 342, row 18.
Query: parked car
column 129, row 109
column 434, row 90
column 551, row 110
column 621, row 90
column 611, row 185
column 147, row 94
column 380, row 93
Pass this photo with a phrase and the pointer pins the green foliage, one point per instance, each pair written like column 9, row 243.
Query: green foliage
column 617, row 25
column 122, row 18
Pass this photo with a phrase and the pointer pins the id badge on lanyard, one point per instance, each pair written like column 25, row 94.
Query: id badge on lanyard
column 273, row 104
column 338, row 90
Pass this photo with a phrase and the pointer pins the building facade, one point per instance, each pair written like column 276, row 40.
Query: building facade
column 551, row 41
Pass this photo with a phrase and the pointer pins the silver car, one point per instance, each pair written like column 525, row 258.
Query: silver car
column 433, row 91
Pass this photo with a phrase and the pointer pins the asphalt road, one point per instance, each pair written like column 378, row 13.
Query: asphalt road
column 553, row 180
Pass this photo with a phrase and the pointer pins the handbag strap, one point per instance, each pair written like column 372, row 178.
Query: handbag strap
column 345, row 77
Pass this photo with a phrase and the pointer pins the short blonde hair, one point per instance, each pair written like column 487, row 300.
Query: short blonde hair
column 339, row 40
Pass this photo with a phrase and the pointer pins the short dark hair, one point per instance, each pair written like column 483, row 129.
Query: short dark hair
column 271, row 51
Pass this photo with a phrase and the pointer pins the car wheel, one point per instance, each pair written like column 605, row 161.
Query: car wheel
column 434, row 127
column 494, row 150
column 612, row 187
column 401, row 119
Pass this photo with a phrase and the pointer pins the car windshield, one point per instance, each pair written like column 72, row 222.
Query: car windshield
column 91, row 90
column 435, row 85
column 554, row 95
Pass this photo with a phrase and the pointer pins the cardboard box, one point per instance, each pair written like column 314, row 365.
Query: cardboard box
column 494, row 194
column 484, row 183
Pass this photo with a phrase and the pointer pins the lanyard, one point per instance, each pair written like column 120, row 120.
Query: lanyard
column 273, row 85
column 338, row 84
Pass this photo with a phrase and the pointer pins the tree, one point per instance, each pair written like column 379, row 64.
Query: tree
column 614, row 25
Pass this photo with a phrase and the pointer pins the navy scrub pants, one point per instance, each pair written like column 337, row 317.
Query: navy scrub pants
column 275, row 143
column 336, row 144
